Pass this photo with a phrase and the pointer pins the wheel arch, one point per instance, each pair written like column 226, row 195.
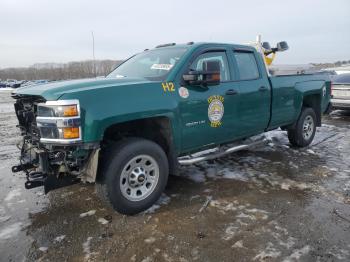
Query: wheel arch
column 310, row 95
column 314, row 101
column 158, row 129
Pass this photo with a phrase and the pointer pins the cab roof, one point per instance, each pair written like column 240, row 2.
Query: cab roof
column 199, row 44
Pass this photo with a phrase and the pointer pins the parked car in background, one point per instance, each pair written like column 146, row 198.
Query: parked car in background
column 10, row 82
column 28, row 83
column 341, row 92
column 42, row 81
column 13, row 83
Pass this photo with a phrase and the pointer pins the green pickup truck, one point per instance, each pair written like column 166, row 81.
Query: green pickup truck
column 128, row 131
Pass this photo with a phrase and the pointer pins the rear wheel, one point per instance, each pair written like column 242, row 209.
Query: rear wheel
column 134, row 175
column 304, row 131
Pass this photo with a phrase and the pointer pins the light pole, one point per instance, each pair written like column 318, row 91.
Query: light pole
column 93, row 52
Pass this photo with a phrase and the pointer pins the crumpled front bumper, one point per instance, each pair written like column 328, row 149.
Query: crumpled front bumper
column 52, row 167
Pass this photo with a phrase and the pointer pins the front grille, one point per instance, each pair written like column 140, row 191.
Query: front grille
column 26, row 111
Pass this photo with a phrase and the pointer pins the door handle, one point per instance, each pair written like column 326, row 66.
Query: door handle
column 263, row 88
column 231, row 92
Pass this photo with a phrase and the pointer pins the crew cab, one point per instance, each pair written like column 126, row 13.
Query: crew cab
column 128, row 131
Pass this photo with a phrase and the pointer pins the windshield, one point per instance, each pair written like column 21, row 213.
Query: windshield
column 153, row 64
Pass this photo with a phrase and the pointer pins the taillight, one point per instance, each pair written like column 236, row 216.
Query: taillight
column 331, row 89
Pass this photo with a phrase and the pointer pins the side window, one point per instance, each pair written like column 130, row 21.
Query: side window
column 247, row 66
column 221, row 56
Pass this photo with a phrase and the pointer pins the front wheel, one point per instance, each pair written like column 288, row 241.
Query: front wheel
column 304, row 131
column 135, row 175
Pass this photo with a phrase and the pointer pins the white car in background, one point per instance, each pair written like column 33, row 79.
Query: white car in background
column 341, row 92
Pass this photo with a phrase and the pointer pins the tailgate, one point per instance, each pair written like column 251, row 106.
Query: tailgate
column 340, row 91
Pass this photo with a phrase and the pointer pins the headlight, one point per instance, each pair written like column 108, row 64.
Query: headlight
column 59, row 121
column 45, row 110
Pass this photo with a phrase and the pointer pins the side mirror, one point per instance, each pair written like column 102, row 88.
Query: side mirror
column 210, row 75
column 282, row 46
column 266, row 46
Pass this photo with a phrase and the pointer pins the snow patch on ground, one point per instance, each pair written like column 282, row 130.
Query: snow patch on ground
column 223, row 206
column 150, row 240
column 245, row 212
column 6, row 89
column 43, row 249
column 87, row 249
column 103, row 221
column 59, row 238
column 89, row 213
column 269, row 252
column 227, row 173
column 245, row 173
column 10, row 231
column 297, row 254
column 276, row 135
column 230, row 232
column 243, row 215
column 162, row 201
column 13, row 194
column 310, row 151
column 238, row 244
column 258, row 213
column 3, row 215
column 196, row 176
column 194, row 197
column 341, row 254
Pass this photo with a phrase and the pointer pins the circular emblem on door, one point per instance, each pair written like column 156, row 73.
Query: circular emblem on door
column 215, row 110
column 183, row 92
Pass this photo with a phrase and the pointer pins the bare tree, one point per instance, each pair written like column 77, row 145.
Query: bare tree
column 71, row 70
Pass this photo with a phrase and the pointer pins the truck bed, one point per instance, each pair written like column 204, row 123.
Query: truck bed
column 287, row 95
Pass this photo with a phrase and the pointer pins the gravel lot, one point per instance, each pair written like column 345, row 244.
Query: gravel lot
column 274, row 203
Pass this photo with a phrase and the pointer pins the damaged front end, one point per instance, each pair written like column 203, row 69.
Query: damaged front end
column 52, row 152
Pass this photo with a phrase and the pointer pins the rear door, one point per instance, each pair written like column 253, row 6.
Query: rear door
column 254, row 93
column 208, row 113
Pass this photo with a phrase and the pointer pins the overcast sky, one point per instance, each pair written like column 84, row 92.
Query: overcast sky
column 40, row 31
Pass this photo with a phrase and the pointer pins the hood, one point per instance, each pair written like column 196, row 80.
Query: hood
column 54, row 90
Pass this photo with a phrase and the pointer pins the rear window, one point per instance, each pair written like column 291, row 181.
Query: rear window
column 342, row 79
column 247, row 66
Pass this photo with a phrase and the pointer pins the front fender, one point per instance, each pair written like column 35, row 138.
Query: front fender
column 108, row 106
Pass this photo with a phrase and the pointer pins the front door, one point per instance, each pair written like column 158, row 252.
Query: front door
column 208, row 113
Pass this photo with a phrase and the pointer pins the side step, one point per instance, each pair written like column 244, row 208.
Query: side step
column 192, row 159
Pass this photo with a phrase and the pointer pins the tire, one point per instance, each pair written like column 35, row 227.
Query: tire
column 134, row 175
column 304, row 131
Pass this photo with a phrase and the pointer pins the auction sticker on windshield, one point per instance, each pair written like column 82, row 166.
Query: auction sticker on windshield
column 166, row 67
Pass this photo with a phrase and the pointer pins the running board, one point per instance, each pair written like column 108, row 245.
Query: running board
column 189, row 160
